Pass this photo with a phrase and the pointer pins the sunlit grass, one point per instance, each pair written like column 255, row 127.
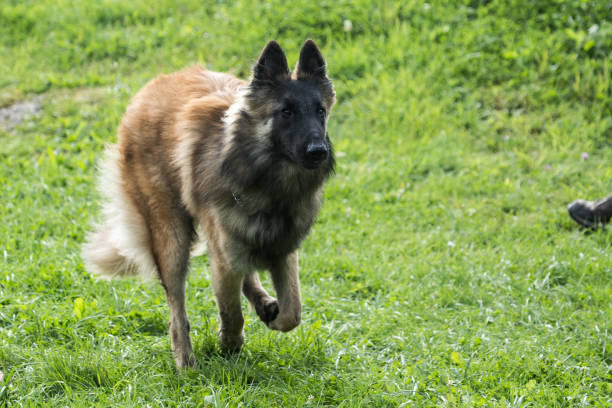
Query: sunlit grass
column 443, row 270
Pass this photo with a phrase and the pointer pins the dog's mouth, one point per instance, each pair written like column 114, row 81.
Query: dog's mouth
column 306, row 163
column 315, row 154
column 313, row 164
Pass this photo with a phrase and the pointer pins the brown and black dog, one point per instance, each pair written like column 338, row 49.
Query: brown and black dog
column 244, row 162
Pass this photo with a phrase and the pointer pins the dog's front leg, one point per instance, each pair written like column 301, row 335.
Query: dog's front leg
column 265, row 305
column 227, row 284
column 287, row 284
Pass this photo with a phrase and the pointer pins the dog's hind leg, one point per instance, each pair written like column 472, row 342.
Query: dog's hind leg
column 265, row 305
column 171, row 234
column 287, row 284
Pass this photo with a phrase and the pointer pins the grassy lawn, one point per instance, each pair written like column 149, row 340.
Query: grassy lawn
column 443, row 270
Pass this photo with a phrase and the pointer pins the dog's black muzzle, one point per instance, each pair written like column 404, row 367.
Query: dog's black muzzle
column 316, row 153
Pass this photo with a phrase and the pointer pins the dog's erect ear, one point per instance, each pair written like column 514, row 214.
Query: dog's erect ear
column 311, row 63
column 272, row 64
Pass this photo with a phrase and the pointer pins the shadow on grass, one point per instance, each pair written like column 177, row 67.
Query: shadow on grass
column 272, row 357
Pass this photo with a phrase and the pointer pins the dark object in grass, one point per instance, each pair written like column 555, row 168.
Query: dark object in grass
column 591, row 214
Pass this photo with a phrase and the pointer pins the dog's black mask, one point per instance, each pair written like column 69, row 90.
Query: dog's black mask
column 298, row 130
column 300, row 104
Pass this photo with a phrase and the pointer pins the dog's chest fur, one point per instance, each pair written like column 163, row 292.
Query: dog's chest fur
column 269, row 228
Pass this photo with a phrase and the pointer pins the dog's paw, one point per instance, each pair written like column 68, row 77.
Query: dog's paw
column 185, row 360
column 267, row 309
column 230, row 344
column 285, row 322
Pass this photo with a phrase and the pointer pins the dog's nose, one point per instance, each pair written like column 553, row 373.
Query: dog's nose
column 316, row 151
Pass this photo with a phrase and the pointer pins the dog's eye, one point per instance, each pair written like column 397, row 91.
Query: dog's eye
column 287, row 113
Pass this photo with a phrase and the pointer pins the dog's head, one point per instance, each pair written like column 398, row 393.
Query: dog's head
column 292, row 108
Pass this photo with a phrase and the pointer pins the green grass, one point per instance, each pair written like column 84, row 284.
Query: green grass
column 443, row 270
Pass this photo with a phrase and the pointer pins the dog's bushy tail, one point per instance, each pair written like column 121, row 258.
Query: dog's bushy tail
column 120, row 245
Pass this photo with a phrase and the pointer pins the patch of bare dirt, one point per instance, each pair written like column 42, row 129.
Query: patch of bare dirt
column 12, row 115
